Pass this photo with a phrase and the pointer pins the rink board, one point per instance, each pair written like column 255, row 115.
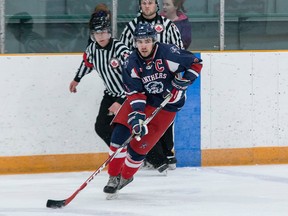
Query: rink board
column 235, row 113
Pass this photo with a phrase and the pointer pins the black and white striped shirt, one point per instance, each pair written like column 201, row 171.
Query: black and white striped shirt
column 107, row 63
column 167, row 31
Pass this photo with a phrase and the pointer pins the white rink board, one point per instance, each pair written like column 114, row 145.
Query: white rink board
column 243, row 103
column 38, row 114
column 228, row 119
column 265, row 99
column 206, row 77
column 283, row 99
column 244, row 100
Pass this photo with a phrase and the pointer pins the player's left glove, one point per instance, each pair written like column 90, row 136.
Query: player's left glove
column 136, row 120
column 178, row 86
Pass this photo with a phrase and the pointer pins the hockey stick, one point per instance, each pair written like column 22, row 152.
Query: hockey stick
column 61, row 203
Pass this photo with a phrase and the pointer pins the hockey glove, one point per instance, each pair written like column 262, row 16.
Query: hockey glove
column 178, row 88
column 180, row 84
column 136, row 120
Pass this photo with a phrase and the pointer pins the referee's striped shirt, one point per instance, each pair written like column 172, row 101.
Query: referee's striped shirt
column 167, row 31
column 107, row 63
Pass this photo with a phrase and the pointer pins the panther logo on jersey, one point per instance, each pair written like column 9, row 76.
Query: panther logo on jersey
column 159, row 28
column 114, row 62
column 154, row 87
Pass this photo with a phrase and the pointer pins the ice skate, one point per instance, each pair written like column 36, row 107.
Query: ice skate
column 163, row 168
column 146, row 166
column 112, row 196
column 123, row 182
column 171, row 161
column 112, row 184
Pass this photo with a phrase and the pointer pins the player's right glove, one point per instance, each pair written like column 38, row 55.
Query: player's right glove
column 136, row 120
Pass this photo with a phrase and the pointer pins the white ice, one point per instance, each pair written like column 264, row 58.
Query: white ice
column 209, row 191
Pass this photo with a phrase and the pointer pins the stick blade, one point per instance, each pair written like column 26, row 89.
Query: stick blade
column 55, row 203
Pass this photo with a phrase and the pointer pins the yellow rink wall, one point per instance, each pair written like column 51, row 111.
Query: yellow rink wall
column 90, row 162
column 245, row 156
column 51, row 163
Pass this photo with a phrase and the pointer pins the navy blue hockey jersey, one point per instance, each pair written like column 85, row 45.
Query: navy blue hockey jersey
column 146, row 80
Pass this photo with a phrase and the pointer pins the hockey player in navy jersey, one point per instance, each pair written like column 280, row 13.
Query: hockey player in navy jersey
column 152, row 70
column 162, row 155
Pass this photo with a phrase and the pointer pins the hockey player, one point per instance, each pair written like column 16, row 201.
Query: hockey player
column 161, row 155
column 152, row 70
column 104, row 54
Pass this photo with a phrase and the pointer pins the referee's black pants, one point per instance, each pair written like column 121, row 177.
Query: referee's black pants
column 102, row 125
column 163, row 149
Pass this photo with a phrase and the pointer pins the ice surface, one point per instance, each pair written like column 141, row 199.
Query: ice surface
column 204, row 191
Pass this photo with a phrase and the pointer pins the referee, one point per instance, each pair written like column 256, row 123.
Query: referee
column 161, row 156
column 167, row 31
column 104, row 54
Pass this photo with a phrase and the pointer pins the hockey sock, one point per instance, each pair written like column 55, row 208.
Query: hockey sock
column 116, row 164
column 119, row 135
column 130, row 167
column 132, row 163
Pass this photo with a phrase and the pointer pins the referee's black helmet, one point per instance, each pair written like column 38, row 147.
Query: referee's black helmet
column 99, row 23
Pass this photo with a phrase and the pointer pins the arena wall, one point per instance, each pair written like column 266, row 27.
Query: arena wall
column 235, row 114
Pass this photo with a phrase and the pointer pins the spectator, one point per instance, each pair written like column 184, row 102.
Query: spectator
column 31, row 42
column 174, row 10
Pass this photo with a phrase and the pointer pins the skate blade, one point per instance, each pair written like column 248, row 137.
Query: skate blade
column 171, row 166
column 112, row 196
column 164, row 173
column 163, row 168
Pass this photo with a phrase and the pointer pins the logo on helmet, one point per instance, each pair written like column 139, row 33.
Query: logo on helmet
column 145, row 30
column 175, row 49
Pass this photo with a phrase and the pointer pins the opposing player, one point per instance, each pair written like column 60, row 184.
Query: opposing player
column 104, row 54
column 162, row 155
column 152, row 70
